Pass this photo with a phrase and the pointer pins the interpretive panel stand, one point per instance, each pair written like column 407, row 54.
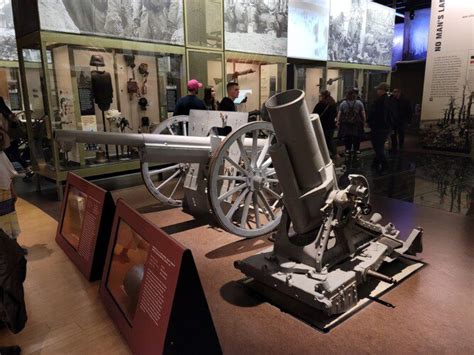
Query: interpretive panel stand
column 84, row 227
column 152, row 291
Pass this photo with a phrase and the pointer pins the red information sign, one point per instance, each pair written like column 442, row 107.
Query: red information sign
column 84, row 227
column 152, row 290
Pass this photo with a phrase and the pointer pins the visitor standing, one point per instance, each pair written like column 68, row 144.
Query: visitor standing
column 351, row 118
column 210, row 98
column 403, row 118
column 227, row 103
column 8, row 218
column 381, row 118
column 327, row 111
column 190, row 101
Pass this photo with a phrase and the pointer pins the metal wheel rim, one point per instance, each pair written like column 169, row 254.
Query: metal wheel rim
column 178, row 170
column 250, row 191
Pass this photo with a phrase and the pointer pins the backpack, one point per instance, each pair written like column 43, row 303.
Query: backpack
column 351, row 116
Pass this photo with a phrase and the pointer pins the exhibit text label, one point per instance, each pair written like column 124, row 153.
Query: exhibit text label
column 439, row 25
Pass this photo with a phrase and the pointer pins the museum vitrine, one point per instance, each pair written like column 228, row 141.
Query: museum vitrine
column 309, row 76
column 204, row 24
column 259, row 77
column 207, row 68
column 96, row 84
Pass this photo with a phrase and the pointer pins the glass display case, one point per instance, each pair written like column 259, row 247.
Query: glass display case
column 344, row 76
column 309, row 76
column 259, row 77
column 207, row 67
column 95, row 84
column 204, row 24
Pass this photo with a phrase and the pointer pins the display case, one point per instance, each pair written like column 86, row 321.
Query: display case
column 344, row 76
column 95, row 84
column 309, row 76
column 208, row 68
column 204, row 24
column 259, row 77
column 10, row 87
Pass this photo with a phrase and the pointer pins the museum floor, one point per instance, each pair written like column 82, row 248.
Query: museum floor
column 433, row 308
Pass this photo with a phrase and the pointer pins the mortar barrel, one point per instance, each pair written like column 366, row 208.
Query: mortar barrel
column 318, row 130
column 291, row 122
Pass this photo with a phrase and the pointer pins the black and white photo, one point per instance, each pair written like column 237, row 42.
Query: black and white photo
column 379, row 34
column 347, row 24
column 256, row 26
column 308, row 24
column 8, row 49
column 145, row 20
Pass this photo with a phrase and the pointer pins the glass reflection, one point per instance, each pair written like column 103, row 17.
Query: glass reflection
column 127, row 269
column 74, row 216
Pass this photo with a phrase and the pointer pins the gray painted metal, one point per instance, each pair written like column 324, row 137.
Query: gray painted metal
column 188, row 150
column 325, row 246
column 243, row 188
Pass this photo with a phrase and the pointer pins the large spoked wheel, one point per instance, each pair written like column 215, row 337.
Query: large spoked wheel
column 243, row 187
column 165, row 183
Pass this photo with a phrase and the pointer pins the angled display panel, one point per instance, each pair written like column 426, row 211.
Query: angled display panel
column 308, row 23
column 259, row 27
column 84, row 227
column 152, row 20
column 152, row 291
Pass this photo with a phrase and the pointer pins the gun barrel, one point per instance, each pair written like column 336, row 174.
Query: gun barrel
column 132, row 139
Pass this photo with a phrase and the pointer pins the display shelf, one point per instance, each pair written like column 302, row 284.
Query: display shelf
column 64, row 92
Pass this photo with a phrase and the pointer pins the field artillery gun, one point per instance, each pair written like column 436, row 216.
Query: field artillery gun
column 213, row 162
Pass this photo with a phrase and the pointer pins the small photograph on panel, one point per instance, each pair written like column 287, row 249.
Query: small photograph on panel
column 127, row 269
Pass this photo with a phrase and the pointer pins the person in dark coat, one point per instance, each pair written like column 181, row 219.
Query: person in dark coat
column 381, row 118
column 351, row 120
column 327, row 111
column 190, row 101
column 12, row 276
column 227, row 103
column 404, row 112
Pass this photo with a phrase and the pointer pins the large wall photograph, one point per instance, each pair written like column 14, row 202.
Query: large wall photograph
column 8, row 49
column 256, row 26
column 416, row 35
column 361, row 31
column 144, row 20
column 378, row 41
column 347, row 24
column 308, row 23
column 397, row 48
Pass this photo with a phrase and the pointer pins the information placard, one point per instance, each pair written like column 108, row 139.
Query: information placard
column 84, row 228
column 151, row 289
